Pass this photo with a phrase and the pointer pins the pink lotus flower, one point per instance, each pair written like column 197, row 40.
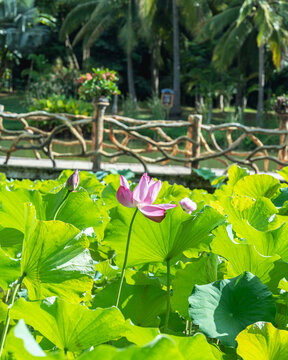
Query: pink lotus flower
column 142, row 197
column 188, row 205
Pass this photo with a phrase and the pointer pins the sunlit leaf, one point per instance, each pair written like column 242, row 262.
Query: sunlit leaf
column 9, row 270
column 263, row 341
column 55, row 259
column 154, row 242
column 71, row 327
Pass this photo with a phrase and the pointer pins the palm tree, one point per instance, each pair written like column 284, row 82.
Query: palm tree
column 95, row 16
column 237, row 23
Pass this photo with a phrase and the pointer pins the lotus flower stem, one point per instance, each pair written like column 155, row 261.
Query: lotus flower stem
column 168, row 297
column 7, row 321
column 61, row 204
column 125, row 258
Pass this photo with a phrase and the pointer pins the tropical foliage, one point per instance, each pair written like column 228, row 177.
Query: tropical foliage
column 63, row 245
column 212, row 53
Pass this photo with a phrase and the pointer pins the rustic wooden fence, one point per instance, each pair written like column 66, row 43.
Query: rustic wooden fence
column 150, row 142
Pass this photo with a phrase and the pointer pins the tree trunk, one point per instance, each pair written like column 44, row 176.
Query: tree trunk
column 131, row 87
column 239, row 95
column 3, row 62
column 221, row 103
column 261, row 83
column 154, row 71
column 86, row 53
column 176, row 109
column 71, row 52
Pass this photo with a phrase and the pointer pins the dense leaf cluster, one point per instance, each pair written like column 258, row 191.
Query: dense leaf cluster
column 60, row 262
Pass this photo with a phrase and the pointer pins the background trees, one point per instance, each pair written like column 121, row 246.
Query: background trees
column 210, row 52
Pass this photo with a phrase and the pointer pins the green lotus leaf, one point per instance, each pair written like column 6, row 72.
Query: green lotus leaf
column 172, row 193
column 71, row 327
column 43, row 186
column 200, row 271
column 255, row 222
column 141, row 303
column 55, row 259
column 197, row 348
column 263, row 341
column 9, row 270
column 12, row 207
column 244, row 257
column 171, row 347
column 20, row 344
column 3, row 311
column 235, row 173
column 283, row 284
column 224, row 308
column 106, row 269
column 139, row 335
column 281, row 320
column 78, row 209
column 11, row 240
column 256, row 186
column 161, row 346
column 153, row 242
column 284, row 173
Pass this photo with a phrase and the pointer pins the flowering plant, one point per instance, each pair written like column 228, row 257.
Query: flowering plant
column 101, row 82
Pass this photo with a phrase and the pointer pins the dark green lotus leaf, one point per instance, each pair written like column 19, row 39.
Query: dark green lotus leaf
column 224, row 308
column 263, row 341
column 141, row 303
column 71, row 327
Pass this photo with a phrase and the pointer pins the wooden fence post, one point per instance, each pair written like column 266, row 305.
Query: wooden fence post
column 282, row 154
column 196, row 137
column 97, row 130
column 188, row 146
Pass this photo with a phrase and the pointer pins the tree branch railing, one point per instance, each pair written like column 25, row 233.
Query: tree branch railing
column 150, row 142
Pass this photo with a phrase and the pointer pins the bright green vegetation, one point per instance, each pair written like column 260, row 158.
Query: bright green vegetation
column 60, row 278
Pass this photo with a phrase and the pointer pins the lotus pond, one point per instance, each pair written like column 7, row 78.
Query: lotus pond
column 85, row 275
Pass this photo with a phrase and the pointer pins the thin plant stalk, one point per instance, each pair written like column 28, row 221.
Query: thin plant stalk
column 125, row 258
column 61, row 204
column 168, row 297
column 7, row 321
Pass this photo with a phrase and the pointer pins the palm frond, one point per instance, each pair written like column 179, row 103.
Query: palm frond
column 219, row 23
column 76, row 17
column 229, row 45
